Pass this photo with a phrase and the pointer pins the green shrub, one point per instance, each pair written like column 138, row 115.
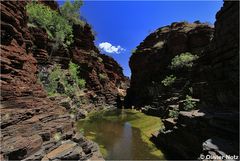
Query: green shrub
column 169, row 80
column 71, row 12
column 189, row 104
column 57, row 27
column 73, row 70
column 70, row 89
column 173, row 113
column 102, row 76
column 54, row 78
column 81, row 83
column 58, row 76
column 183, row 60
column 70, row 83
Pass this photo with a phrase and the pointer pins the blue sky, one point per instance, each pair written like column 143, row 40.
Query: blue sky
column 124, row 24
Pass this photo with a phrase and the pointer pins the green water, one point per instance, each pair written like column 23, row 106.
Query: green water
column 123, row 134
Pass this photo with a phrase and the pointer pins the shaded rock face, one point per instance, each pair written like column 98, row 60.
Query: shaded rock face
column 31, row 124
column 217, row 74
column 188, row 136
column 150, row 62
column 212, row 129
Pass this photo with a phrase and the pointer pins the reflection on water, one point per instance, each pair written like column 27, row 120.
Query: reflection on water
column 121, row 147
column 117, row 134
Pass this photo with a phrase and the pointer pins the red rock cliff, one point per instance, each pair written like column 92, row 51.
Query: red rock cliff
column 25, row 108
column 93, row 65
column 103, row 75
column 32, row 126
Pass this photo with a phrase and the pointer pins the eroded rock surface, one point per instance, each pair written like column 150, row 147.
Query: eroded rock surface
column 103, row 75
column 212, row 128
column 33, row 127
column 216, row 77
column 151, row 60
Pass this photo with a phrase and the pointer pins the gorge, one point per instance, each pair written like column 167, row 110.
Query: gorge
column 65, row 102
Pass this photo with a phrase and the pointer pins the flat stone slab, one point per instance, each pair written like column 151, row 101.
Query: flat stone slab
column 27, row 145
column 64, row 149
column 193, row 113
column 170, row 120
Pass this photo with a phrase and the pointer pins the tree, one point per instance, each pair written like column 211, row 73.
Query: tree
column 169, row 80
column 58, row 28
column 71, row 11
column 183, row 60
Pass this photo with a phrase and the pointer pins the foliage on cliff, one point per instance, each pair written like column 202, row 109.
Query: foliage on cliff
column 70, row 11
column 73, row 69
column 169, row 80
column 183, row 60
column 189, row 104
column 66, row 82
column 57, row 27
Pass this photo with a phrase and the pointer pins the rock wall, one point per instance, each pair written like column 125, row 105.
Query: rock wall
column 103, row 75
column 218, row 70
column 212, row 128
column 33, row 127
column 151, row 60
column 93, row 65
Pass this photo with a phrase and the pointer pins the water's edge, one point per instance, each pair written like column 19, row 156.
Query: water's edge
column 122, row 133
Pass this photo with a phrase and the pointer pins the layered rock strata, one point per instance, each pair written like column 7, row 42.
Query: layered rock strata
column 32, row 126
column 213, row 128
column 103, row 75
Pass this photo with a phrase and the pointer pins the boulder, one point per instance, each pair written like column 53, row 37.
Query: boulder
column 64, row 151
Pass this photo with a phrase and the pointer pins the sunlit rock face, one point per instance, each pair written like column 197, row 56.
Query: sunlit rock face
column 92, row 63
column 32, row 125
column 28, row 117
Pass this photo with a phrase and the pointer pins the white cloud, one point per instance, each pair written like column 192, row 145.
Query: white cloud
column 109, row 48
